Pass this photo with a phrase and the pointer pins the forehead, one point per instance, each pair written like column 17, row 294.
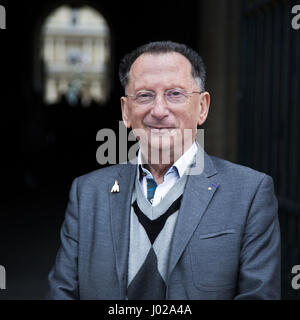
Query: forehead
column 171, row 68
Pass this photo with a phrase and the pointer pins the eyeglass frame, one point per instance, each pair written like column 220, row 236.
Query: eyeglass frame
column 182, row 91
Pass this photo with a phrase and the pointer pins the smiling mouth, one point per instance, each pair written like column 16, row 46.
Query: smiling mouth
column 160, row 129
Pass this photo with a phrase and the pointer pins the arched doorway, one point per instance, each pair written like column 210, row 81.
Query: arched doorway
column 76, row 56
column 72, row 82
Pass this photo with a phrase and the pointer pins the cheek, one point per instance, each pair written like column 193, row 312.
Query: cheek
column 136, row 116
column 188, row 121
column 188, row 117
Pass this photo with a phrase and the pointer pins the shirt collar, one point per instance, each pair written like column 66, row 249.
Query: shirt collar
column 178, row 167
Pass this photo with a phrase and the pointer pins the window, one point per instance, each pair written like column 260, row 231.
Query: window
column 76, row 55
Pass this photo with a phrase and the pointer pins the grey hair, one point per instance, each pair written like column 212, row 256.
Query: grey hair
column 159, row 47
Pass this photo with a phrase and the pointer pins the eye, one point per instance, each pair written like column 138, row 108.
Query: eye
column 144, row 95
column 175, row 93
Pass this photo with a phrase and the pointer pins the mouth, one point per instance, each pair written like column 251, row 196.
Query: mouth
column 159, row 129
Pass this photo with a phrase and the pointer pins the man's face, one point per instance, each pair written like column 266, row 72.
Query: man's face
column 164, row 124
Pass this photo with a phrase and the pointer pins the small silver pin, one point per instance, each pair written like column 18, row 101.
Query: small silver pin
column 116, row 187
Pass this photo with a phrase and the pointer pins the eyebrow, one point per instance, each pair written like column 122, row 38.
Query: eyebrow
column 168, row 88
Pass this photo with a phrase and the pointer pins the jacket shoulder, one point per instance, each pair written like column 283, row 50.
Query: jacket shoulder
column 237, row 172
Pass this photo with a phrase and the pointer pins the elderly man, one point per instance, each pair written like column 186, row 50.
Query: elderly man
column 155, row 230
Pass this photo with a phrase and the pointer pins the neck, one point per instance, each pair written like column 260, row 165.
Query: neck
column 159, row 161
column 157, row 164
column 158, row 171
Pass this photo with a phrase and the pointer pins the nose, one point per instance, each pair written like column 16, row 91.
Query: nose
column 160, row 108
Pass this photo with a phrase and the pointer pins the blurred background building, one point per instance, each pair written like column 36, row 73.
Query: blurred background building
column 76, row 52
column 59, row 86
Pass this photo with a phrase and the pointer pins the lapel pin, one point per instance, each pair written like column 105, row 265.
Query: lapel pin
column 116, row 187
column 214, row 185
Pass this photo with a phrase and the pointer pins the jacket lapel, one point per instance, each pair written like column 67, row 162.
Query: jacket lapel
column 198, row 192
column 120, row 220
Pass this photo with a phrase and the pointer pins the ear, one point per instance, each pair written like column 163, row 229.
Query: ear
column 204, row 107
column 125, row 116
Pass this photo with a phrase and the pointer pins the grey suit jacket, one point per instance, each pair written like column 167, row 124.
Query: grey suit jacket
column 226, row 242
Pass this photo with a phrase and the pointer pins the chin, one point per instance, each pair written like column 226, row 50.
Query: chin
column 164, row 152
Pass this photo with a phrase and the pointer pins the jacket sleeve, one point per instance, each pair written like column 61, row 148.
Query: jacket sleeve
column 259, row 276
column 63, row 277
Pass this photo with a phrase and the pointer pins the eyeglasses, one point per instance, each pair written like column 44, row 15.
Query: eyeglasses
column 174, row 96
